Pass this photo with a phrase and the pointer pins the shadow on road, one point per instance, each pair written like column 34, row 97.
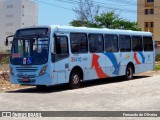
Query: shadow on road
column 64, row 87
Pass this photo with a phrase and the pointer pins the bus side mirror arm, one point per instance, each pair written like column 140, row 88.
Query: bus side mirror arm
column 6, row 43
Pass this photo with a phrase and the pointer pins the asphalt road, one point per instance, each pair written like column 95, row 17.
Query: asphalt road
column 140, row 94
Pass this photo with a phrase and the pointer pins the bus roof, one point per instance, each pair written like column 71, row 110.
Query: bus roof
column 98, row 30
column 71, row 29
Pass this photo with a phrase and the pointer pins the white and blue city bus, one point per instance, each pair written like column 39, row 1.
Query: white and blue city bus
column 43, row 56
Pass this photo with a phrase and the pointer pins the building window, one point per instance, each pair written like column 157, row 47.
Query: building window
column 9, row 6
column 9, row 16
column 96, row 42
column 146, row 24
column 150, row 0
column 22, row 6
column 9, row 24
column 22, row 23
column 152, row 24
column 151, row 11
column 146, row 11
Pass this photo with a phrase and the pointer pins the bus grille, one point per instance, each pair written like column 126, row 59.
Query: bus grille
column 26, row 69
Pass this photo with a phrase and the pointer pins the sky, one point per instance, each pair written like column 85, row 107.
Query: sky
column 59, row 12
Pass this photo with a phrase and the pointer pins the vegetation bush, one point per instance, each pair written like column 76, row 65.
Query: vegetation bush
column 4, row 57
column 157, row 57
column 5, row 60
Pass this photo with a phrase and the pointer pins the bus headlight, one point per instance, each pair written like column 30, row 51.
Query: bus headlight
column 11, row 71
column 43, row 71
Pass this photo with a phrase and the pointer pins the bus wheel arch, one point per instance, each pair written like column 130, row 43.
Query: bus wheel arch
column 130, row 70
column 76, row 77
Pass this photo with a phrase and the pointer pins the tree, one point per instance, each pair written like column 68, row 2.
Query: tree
column 86, row 10
column 113, row 21
column 107, row 20
column 80, row 23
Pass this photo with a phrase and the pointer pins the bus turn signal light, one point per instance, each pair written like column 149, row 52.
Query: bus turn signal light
column 43, row 71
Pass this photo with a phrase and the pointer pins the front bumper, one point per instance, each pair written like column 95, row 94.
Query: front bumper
column 39, row 80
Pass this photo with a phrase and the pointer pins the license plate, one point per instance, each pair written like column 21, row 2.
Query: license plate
column 26, row 80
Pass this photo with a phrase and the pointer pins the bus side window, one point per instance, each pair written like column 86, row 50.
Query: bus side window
column 111, row 43
column 61, row 45
column 96, row 42
column 137, row 43
column 148, row 43
column 79, row 43
column 125, row 43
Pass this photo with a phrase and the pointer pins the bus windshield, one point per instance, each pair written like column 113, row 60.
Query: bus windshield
column 29, row 50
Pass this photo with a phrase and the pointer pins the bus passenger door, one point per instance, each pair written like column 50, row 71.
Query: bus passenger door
column 60, row 58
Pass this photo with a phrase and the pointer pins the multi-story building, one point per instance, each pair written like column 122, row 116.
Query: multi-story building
column 15, row 14
column 149, row 17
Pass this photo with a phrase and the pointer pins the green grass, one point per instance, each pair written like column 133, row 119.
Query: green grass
column 157, row 67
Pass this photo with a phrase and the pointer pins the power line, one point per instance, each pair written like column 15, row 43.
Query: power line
column 75, row 2
column 95, row 4
column 107, row 4
column 102, row 3
column 125, row 10
column 51, row 4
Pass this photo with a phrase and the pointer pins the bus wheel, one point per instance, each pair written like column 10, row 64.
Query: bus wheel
column 129, row 72
column 75, row 80
column 41, row 87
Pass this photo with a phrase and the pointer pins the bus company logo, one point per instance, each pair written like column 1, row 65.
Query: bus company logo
column 127, row 56
column 136, row 58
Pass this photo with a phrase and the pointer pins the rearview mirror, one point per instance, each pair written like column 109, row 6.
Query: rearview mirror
column 6, row 43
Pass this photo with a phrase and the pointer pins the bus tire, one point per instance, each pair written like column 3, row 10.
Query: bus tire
column 75, row 79
column 41, row 87
column 129, row 72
